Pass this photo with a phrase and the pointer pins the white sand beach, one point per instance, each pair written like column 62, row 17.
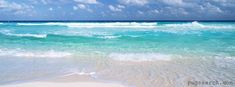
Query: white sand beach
column 70, row 84
column 66, row 81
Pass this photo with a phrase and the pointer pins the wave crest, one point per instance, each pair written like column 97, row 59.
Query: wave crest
column 28, row 35
column 33, row 54
column 96, row 25
column 198, row 25
column 195, row 24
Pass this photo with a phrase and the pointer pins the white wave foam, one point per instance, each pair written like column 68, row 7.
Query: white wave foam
column 33, row 54
column 30, row 24
column 109, row 37
column 10, row 33
column 50, row 54
column 47, row 24
column 114, row 25
column 5, row 31
column 193, row 24
column 28, row 35
column 197, row 25
column 138, row 57
column 81, row 73
column 97, row 25
column 85, row 33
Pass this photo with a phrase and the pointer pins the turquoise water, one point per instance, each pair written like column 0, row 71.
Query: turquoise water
column 209, row 38
column 42, row 42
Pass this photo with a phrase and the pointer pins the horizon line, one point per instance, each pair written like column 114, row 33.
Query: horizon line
column 116, row 20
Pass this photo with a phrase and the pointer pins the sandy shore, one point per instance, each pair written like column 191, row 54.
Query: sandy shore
column 66, row 81
column 71, row 84
column 174, row 73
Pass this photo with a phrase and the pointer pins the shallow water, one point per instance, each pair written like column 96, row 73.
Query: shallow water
column 138, row 54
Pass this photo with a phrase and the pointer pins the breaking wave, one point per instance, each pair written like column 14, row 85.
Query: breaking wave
column 114, row 25
column 198, row 25
column 96, row 25
column 9, row 33
column 109, row 37
column 154, row 25
column 28, row 35
column 193, row 24
column 33, row 54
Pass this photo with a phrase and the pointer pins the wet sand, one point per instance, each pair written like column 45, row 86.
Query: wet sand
column 72, row 84
column 66, row 81
column 174, row 73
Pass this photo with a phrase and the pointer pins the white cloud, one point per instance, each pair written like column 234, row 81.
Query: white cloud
column 154, row 11
column 15, row 7
column 174, row 11
column 44, row 1
column 179, row 3
column 173, row 2
column 140, row 12
column 87, row 1
column 89, row 10
column 50, row 9
column 75, row 8
column 10, row 6
column 81, row 6
column 84, row 4
column 121, row 6
column 210, row 8
column 225, row 3
column 134, row 2
column 117, row 8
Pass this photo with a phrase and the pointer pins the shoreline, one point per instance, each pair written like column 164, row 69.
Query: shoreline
column 71, row 84
column 66, row 81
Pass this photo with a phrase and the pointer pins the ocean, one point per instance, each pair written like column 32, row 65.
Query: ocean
column 138, row 54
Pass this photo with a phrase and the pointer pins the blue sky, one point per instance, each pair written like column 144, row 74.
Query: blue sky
column 117, row 9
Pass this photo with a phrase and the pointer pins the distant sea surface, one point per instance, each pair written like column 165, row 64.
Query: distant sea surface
column 139, row 54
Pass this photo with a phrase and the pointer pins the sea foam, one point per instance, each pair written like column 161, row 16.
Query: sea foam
column 138, row 57
column 34, row 54
column 96, row 25
column 28, row 35
column 110, row 37
column 197, row 25
column 193, row 24
column 137, row 25
column 114, row 25
column 10, row 33
column 79, row 72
